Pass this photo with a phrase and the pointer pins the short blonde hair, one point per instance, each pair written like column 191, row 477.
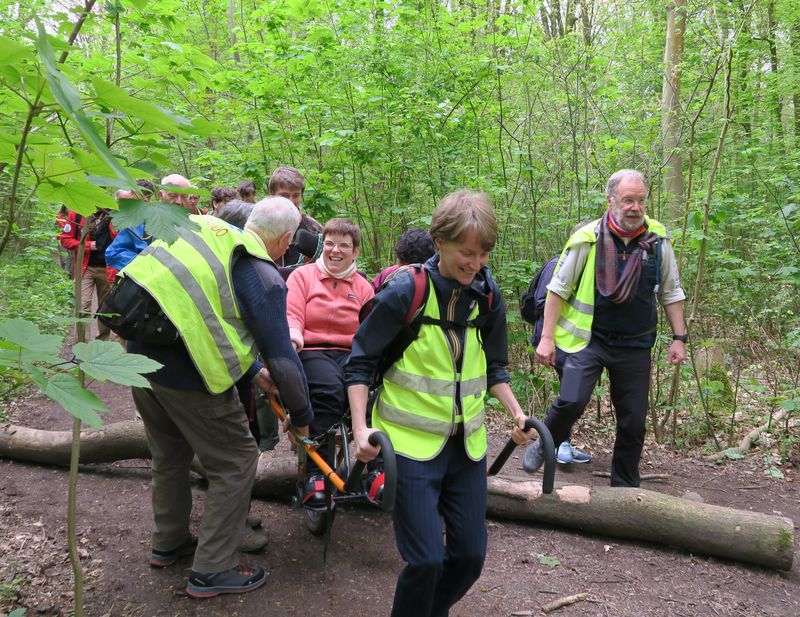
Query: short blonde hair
column 461, row 212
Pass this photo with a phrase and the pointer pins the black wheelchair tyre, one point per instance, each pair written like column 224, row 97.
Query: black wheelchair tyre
column 318, row 521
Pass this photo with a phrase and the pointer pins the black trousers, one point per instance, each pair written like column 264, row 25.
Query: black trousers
column 324, row 371
column 449, row 488
column 629, row 374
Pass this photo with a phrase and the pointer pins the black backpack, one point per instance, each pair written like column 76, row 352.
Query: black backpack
column 528, row 307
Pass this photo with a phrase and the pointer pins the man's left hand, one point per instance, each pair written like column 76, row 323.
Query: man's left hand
column 677, row 352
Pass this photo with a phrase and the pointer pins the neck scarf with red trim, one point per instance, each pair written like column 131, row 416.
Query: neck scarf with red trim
column 620, row 289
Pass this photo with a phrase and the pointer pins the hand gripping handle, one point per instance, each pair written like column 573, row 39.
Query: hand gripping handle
column 548, row 449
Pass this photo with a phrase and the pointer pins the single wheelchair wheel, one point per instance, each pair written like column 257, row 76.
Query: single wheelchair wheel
column 319, row 521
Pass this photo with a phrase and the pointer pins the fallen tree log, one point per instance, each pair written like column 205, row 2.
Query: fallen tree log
column 118, row 441
column 700, row 528
column 620, row 512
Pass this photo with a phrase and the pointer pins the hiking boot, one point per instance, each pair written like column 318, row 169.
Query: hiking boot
column 533, row 457
column 580, row 457
column 253, row 540
column 164, row 559
column 252, row 521
column 236, row 580
column 314, row 492
column 564, row 455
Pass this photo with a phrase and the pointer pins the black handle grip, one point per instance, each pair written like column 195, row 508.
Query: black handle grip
column 389, row 469
column 549, row 454
column 352, row 485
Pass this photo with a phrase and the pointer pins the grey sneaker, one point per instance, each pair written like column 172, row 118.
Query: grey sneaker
column 253, row 540
column 533, row 457
column 236, row 580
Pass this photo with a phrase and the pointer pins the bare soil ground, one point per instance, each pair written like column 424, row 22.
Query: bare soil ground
column 527, row 566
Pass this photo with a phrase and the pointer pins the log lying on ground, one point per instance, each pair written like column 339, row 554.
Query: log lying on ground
column 114, row 442
column 647, row 515
column 620, row 512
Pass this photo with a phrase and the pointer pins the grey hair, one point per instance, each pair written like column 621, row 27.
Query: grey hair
column 619, row 176
column 236, row 212
column 273, row 216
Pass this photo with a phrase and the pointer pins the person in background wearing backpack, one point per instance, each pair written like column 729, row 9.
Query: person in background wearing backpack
column 415, row 246
column 601, row 312
column 431, row 404
column 532, row 309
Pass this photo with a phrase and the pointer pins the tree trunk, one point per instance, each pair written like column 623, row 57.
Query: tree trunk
column 646, row 515
column 671, row 107
column 620, row 512
column 777, row 101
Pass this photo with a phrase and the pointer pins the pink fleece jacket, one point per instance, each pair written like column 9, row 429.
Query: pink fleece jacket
column 322, row 310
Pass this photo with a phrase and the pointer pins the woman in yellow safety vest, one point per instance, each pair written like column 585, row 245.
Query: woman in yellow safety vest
column 431, row 403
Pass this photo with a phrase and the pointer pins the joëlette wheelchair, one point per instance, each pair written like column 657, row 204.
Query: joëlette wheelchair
column 345, row 481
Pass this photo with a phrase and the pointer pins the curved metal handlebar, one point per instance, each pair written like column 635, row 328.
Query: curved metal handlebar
column 382, row 441
column 548, row 447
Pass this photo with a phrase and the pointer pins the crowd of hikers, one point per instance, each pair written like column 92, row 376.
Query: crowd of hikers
column 261, row 300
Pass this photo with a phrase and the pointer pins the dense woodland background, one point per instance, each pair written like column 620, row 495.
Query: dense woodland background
column 387, row 106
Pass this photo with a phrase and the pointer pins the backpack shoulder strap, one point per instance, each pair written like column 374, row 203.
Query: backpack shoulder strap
column 421, row 289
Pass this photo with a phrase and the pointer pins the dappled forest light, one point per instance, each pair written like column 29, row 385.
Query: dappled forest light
column 387, row 106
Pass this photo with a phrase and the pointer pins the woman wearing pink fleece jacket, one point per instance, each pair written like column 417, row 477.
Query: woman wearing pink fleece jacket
column 323, row 303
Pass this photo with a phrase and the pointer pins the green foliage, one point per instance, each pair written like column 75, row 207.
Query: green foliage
column 33, row 358
column 33, row 285
column 386, row 107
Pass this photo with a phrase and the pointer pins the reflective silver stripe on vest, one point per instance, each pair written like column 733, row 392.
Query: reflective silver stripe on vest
column 474, row 424
column 474, row 387
column 434, row 387
column 410, row 420
column 586, row 309
column 570, row 327
column 217, row 267
column 390, row 413
column 196, row 293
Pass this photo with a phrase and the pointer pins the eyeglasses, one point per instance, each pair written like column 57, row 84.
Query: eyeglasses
column 343, row 246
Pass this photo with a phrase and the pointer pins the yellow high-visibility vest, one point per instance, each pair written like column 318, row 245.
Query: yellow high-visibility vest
column 191, row 281
column 417, row 406
column 573, row 329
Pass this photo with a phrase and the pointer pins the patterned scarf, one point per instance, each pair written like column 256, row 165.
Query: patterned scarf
column 620, row 289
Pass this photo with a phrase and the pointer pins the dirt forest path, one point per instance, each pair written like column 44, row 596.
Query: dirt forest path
column 527, row 567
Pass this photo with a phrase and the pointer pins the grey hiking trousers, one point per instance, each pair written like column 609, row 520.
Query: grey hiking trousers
column 180, row 424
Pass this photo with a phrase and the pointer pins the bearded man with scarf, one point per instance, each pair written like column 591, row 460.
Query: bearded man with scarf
column 601, row 312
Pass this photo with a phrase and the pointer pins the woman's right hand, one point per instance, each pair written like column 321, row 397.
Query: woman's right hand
column 365, row 451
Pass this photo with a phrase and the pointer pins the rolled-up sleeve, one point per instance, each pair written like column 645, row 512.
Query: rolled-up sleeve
column 568, row 271
column 669, row 289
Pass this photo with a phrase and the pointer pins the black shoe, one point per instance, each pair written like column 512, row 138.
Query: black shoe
column 163, row 559
column 314, row 492
column 236, row 580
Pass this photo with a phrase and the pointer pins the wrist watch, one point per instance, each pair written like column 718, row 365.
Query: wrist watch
column 680, row 337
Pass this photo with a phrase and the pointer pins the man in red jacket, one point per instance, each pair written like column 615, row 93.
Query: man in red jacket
column 93, row 269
